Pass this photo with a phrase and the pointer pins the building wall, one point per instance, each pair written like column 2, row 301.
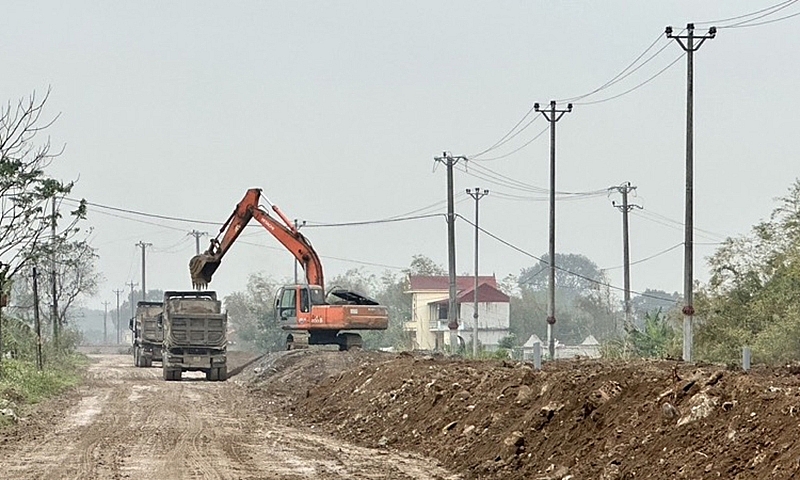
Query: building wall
column 425, row 339
column 493, row 323
column 490, row 315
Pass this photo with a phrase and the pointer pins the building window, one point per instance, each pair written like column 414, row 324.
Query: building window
column 443, row 311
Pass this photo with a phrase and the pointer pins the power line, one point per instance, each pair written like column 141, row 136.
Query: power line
column 395, row 218
column 645, row 259
column 506, row 137
column 622, row 75
column 656, row 75
column 739, row 17
column 765, row 22
column 512, row 152
column 771, row 11
column 584, row 277
column 373, row 222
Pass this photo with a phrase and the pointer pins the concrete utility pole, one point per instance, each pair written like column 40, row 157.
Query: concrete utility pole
column 689, row 46
column 624, row 189
column 105, row 323
column 36, row 320
column 143, row 246
column 452, row 311
column 117, row 292
column 197, row 236
column 53, row 276
column 477, row 194
column 552, row 115
column 133, row 311
column 297, row 226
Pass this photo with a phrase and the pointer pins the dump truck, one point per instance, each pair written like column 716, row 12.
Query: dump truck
column 194, row 335
column 147, row 333
column 308, row 313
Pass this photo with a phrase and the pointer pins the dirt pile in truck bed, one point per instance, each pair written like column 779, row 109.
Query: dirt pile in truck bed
column 575, row 419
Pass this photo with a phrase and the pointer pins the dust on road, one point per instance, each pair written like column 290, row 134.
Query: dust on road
column 129, row 423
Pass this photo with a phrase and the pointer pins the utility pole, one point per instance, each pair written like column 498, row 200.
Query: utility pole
column 452, row 312
column 53, row 277
column 117, row 292
column 130, row 284
column 689, row 46
column 624, row 189
column 553, row 115
column 196, row 234
column 143, row 246
column 297, row 227
column 105, row 323
column 477, row 194
column 3, row 301
column 36, row 320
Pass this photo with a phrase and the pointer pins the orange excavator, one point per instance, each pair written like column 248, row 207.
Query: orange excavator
column 304, row 310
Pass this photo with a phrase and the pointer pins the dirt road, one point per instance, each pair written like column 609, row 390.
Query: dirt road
column 128, row 423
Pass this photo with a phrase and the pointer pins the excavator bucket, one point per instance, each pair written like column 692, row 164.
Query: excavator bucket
column 201, row 268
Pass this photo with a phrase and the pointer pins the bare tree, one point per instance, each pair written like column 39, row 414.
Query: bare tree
column 77, row 278
column 25, row 188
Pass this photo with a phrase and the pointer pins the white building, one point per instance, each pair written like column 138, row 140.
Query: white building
column 429, row 298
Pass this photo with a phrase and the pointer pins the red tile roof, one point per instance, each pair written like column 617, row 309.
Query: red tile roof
column 486, row 294
column 442, row 282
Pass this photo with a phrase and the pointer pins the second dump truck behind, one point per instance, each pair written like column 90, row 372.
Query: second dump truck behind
column 147, row 333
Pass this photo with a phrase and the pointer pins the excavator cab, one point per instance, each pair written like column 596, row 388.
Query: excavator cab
column 293, row 299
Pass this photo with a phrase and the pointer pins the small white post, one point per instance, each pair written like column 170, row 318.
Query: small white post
column 537, row 356
column 746, row 358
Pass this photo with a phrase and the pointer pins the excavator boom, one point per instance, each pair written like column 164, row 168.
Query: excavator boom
column 203, row 266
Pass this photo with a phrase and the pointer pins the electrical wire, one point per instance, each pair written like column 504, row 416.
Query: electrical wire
column 765, row 22
column 642, row 260
column 504, row 138
column 640, row 85
column 328, row 257
column 512, row 152
column 739, row 17
column 584, row 277
column 310, row 224
column 750, row 21
column 622, row 75
column 668, row 222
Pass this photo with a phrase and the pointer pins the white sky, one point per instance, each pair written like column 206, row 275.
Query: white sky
column 336, row 110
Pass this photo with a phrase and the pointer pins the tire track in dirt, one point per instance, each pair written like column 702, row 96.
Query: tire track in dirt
column 130, row 424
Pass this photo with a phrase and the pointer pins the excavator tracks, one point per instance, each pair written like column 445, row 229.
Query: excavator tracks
column 298, row 340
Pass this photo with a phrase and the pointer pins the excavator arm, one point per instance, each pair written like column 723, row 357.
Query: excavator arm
column 203, row 266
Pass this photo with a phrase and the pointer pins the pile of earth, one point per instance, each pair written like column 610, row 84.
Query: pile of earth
column 575, row 419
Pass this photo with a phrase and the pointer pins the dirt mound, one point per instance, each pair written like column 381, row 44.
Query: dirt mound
column 576, row 419
column 284, row 377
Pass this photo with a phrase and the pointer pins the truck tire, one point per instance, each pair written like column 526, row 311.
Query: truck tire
column 172, row 374
column 222, row 373
column 212, row 374
column 137, row 357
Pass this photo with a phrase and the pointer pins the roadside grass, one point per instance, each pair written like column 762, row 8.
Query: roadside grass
column 22, row 384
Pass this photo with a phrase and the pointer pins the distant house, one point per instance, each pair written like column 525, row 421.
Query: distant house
column 429, row 298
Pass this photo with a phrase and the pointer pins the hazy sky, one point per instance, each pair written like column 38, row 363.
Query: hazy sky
column 336, row 110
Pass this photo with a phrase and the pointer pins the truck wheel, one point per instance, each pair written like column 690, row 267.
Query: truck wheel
column 137, row 357
column 212, row 375
column 148, row 362
column 222, row 373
